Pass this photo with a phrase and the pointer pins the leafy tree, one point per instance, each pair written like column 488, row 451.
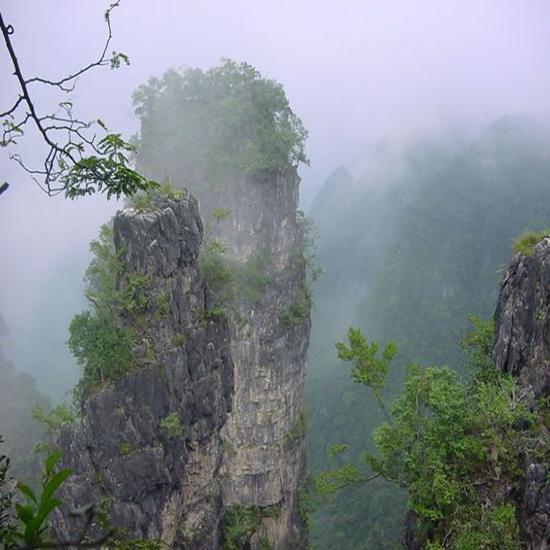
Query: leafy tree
column 449, row 443
column 200, row 126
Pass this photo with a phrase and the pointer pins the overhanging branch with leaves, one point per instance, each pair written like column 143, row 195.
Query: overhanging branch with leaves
column 83, row 157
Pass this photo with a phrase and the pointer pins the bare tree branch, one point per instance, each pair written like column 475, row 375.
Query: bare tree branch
column 77, row 162
column 102, row 61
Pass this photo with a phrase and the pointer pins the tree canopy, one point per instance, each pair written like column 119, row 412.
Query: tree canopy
column 197, row 125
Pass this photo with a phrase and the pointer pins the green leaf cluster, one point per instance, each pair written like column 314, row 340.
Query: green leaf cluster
column 443, row 438
column 107, row 172
column 150, row 199
column 299, row 428
column 33, row 526
column 101, row 344
column 368, row 368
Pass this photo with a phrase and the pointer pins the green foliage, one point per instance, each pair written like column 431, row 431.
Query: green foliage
column 108, row 286
column 299, row 428
column 441, row 438
column 179, row 340
column 104, row 270
column 302, row 263
column 51, row 421
column 107, row 172
column 254, row 275
column 295, row 314
column 307, row 501
column 153, row 198
column 496, row 528
column 202, row 125
column 171, row 424
column 54, row 419
column 97, row 338
column 132, row 297
column 305, row 250
column 221, row 214
column 525, row 244
column 124, row 448
column 33, row 515
column 368, row 369
column 218, row 273
column 241, row 523
column 162, row 304
column 477, row 344
column 102, row 347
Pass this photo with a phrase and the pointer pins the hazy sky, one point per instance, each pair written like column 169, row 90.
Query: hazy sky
column 355, row 72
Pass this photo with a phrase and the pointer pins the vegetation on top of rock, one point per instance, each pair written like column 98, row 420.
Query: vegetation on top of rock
column 197, row 126
column 525, row 244
column 152, row 198
column 449, row 442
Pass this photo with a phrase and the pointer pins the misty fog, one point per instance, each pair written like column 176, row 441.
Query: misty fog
column 387, row 90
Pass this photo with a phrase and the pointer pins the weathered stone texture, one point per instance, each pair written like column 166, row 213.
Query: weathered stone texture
column 153, row 484
column 522, row 348
column 522, row 320
column 267, row 460
column 236, row 385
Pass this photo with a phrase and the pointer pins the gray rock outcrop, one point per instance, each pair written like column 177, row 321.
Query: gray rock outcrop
column 522, row 348
column 233, row 382
column 154, row 482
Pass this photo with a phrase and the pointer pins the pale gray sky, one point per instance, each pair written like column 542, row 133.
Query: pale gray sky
column 355, row 72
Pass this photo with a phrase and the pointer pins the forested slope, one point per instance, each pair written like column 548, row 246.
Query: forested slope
column 410, row 260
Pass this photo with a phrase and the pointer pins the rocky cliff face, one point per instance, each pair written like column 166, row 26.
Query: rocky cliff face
column 269, row 340
column 211, row 419
column 522, row 348
column 148, row 450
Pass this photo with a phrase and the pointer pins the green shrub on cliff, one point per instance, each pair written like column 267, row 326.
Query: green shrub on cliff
column 101, row 346
column 241, row 523
column 525, row 244
column 171, row 424
column 97, row 338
